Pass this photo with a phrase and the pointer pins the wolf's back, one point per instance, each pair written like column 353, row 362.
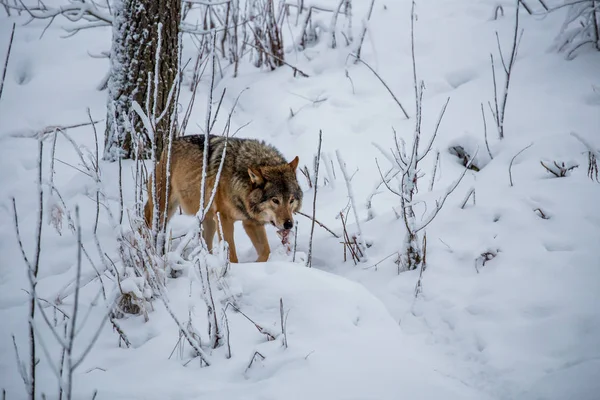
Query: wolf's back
column 241, row 153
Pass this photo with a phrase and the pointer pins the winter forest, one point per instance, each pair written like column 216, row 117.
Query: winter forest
column 429, row 218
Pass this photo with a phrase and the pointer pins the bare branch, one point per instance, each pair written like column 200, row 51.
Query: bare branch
column 364, row 31
column 262, row 48
column 384, row 84
column 10, row 42
column 435, row 167
column 593, row 156
column 315, row 186
column 485, row 132
column 440, row 203
column 361, row 243
column 283, row 330
column 261, row 329
column 499, row 9
column 513, row 159
column 385, row 182
column 467, row 197
column 74, row 12
column 437, row 125
column 318, row 223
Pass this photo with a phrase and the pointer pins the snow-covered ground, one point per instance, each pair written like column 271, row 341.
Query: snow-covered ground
column 526, row 325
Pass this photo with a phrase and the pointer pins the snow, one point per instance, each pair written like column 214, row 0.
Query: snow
column 524, row 325
column 352, row 335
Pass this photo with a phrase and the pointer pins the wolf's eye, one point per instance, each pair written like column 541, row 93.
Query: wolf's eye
column 292, row 200
column 274, row 200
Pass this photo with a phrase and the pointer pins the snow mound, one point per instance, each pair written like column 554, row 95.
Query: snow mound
column 342, row 344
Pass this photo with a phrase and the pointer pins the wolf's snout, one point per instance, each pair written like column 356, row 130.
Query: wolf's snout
column 289, row 224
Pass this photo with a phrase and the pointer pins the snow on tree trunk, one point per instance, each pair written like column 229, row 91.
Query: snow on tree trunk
column 144, row 66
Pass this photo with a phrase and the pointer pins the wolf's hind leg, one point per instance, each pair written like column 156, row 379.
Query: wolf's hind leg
column 258, row 236
column 160, row 197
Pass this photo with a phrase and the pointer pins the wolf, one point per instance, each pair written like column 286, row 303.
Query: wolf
column 256, row 186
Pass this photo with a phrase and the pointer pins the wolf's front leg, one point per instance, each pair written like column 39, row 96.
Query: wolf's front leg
column 258, row 236
column 227, row 224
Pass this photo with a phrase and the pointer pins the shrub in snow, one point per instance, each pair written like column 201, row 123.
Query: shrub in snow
column 406, row 164
column 580, row 29
column 559, row 168
column 593, row 153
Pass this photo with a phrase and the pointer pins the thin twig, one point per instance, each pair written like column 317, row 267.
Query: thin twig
column 384, row 84
column 435, row 167
column 262, row 330
column 256, row 353
column 316, row 185
column 380, row 261
column 485, row 132
column 283, row 330
column 12, row 35
column 364, row 31
column 467, row 197
column 296, row 69
column 319, row 223
column 512, row 160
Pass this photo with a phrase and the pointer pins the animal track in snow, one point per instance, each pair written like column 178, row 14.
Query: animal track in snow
column 557, row 246
column 23, row 71
column 460, row 77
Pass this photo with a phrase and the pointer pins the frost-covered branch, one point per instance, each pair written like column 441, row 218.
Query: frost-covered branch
column 593, row 156
column 423, row 154
column 314, row 210
column 499, row 110
column 361, row 240
column 32, row 273
column 406, row 166
column 581, row 27
column 440, row 203
column 363, row 33
column 74, row 11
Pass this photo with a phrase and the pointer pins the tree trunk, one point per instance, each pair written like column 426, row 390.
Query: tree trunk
column 596, row 23
column 144, row 66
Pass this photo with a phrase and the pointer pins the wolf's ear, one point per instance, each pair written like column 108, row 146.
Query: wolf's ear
column 294, row 163
column 255, row 176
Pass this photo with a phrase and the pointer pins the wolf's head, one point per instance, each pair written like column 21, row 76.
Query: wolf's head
column 275, row 194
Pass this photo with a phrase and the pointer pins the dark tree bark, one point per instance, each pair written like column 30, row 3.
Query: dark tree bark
column 145, row 38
